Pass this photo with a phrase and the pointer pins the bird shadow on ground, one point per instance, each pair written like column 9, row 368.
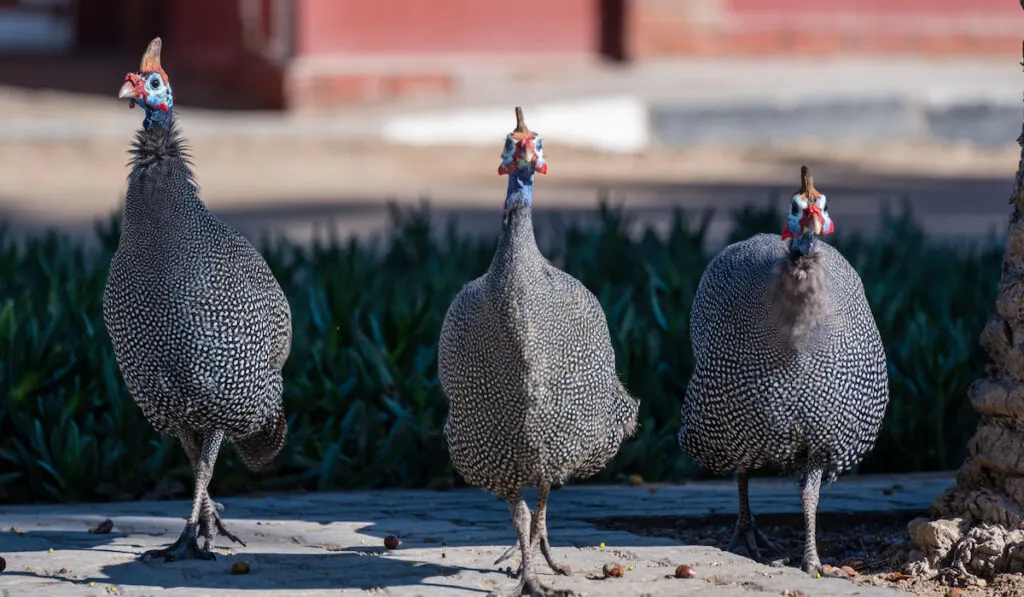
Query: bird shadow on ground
column 268, row 571
column 45, row 540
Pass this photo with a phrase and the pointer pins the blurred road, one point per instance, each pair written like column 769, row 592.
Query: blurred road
column 63, row 154
column 290, row 187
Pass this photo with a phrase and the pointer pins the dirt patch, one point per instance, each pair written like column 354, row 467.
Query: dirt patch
column 878, row 540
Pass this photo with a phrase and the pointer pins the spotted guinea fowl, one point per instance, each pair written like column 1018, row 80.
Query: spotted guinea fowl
column 526, row 361
column 200, row 327
column 790, row 369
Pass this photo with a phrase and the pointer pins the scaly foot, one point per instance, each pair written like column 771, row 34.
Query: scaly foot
column 559, row 569
column 508, row 553
column 184, row 548
column 748, row 536
column 211, row 525
column 811, row 565
column 528, row 587
column 545, row 548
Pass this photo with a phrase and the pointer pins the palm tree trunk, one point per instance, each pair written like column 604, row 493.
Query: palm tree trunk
column 979, row 531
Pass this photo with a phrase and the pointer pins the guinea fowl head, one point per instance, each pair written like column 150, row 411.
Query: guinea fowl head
column 524, row 151
column 808, row 216
column 150, row 87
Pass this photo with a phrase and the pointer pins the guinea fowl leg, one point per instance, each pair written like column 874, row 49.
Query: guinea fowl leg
column 746, row 528
column 540, row 515
column 186, row 546
column 210, row 523
column 540, row 518
column 529, row 586
column 809, row 498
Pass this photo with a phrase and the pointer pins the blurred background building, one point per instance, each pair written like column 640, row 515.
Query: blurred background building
column 301, row 110
column 301, row 53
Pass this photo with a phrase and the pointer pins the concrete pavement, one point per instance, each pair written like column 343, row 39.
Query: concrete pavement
column 670, row 103
column 331, row 543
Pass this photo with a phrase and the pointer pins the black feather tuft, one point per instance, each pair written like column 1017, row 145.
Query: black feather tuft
column 258, row 449
column 156, row 144
column 801, row 301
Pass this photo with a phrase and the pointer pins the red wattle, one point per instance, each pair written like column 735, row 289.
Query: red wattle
column 543, row 169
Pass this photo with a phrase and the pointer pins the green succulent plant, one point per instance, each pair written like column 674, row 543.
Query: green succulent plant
column 361, row 387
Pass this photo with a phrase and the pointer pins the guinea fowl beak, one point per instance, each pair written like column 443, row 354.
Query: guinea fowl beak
column 814, row 219
column 132, row 88
column 127, row 91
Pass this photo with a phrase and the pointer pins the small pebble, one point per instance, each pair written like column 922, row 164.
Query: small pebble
column 391, row 542
column 613, row 569
column 684, row 571
column 955, row 593
column 240, row 568
column 102, row 528
column 635, row 480
column 849, row 571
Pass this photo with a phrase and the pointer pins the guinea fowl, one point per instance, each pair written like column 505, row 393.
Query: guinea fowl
column 526, row 361
column 200, row 326
column 790, row 369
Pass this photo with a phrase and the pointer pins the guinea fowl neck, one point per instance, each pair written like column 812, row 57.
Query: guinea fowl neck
column 161, row 187
column 517, row 238
column 158, row 118
column 801, row 302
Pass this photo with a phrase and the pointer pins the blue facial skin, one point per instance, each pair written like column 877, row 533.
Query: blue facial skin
column 521, row 169
column 803, row 239
column 157, row 101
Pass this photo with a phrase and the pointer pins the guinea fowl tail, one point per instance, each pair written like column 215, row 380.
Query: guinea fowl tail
column 258, row 449
column 625, row 410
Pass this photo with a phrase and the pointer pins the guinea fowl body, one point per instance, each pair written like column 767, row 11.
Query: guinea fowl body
column 790, row 371
column 199, row 324
column 526, row 361
column 201, row 329
column 790, row 368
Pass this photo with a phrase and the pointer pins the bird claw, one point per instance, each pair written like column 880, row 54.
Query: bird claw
column 558, row 569
column 185, row 548
column 208, row 534
column 812, row 566
column 211, row 525
column 508, row 554
column 750, row 536
column 531, row 587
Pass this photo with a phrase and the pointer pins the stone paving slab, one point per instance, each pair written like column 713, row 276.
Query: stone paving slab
column 332, row 543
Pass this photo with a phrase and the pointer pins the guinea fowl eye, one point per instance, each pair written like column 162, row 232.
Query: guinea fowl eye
column 155, row 82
